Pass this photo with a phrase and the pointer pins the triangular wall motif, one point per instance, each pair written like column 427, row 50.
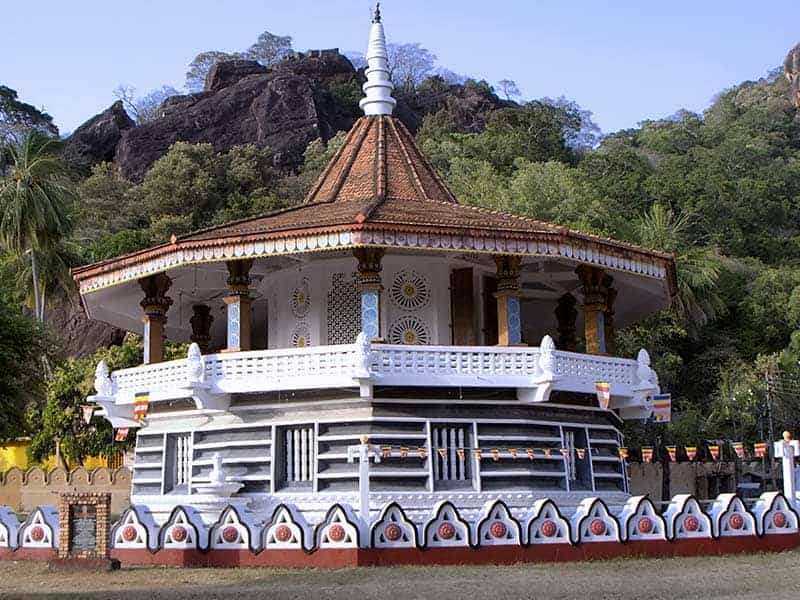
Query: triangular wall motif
column 640, row 520
column 181, row 531
column 446, row 528
column 774, row 515
column 129, row 532
column 40, row 530
column 546, row 525
column 229, row 532
column 685, row 518
column 592, row 522
column 393, row 529
column 337, row 530
column 285, row 530
column 497, row 527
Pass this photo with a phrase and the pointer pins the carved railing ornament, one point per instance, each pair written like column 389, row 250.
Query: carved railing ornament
column 196, row 367
column 102, row 380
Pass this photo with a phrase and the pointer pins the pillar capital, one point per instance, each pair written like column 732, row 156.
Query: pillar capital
column 594, row 286
column 239, row 277
column 507, row 273
column 155, row 302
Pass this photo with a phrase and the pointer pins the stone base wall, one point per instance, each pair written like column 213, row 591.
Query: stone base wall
column 23, row 491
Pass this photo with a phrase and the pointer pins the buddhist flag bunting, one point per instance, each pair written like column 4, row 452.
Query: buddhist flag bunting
column 581, row 453
column 738, row 447
column 530, row 453
column 623, row 454
column 548, row 452
column 460, row 453
column 565, row 452
column 495, row 454
column 141, row 402
column 691, row 452
column 403, row 452
column 603, row 390
column 673, row 453
column 443, row 453
column 478, row 453
column 760, row 449
column 87, row 410
column 662, row 408
column 422, row 452
column 386, row 452
column 647, row 455
column 121, row 434
column 714, row 450
column 512, row 452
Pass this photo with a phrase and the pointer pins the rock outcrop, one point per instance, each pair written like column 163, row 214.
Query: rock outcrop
column 791, row 68
column 78, row 335
column 96, row 140
column 284, row 108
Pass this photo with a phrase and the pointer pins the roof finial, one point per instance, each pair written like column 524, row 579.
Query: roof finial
column 378, row 87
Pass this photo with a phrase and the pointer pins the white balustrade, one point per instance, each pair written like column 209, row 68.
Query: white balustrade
column 384, row 364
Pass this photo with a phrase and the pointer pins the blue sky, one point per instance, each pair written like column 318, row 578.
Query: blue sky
column 624, row 60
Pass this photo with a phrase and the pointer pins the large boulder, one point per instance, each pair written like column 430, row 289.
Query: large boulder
column 284, row 108
column 96, row 140
column 791, row 68
column 78, row 335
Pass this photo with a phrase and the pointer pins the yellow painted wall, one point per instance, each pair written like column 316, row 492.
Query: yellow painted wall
column 15, row 454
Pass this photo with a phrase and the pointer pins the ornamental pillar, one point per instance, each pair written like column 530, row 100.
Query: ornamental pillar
column 509, row 323
column 566, row 314
column 610, row 331
column 201, row 326
column 595, row 297
column 238, row 302
column 155, row 305
column 370, row 288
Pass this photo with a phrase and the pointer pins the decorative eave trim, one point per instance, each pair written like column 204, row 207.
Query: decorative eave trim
column 583, row 249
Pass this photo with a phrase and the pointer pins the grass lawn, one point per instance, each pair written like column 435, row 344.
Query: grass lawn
column 760, row 576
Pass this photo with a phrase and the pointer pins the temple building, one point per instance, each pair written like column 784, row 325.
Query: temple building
column 462, row 347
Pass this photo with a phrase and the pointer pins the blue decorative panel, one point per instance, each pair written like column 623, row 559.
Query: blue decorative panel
column 370, row 313
column 514, row 320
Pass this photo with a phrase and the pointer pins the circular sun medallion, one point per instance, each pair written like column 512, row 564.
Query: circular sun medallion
column 446, row 531
column 779, row 520
column 498, row 529
column 230, row 535
column 691, row 523
column 336, row 533
column 597, row 527
column 300, row 300
column 129, row 533
column 409, row 290
column 548, row 528
column 301, row 336
column 736, row 521
column 179, row 534
column 409, row 330
column 392, row 532
column 645, row 525
column 37, row 534
column 283, row 533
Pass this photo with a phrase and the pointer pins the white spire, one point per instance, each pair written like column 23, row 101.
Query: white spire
column 378, row 87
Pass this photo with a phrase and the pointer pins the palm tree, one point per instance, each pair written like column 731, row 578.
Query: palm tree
column 698, row 267
column 35, row 197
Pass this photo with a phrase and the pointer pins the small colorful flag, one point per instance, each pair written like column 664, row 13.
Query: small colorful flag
column 565, row 452
column 478, row 453
column 581, row 453
column 530, row 453
column 603, row 390
column 691, row 452
column 403, row 452
column 141, row 402
column 647, row 455
column 662, row 408
column 714, row 450
column 386, row 452
column 512, row 452
column 760, row 449
column 87, row 410
column 443, row 453
column 422, row 452
column 460, row 453
column 548, row 452
column 121, row 434
column 495, row 454
column 623, row 454
column 673, row 453
column 738, row 447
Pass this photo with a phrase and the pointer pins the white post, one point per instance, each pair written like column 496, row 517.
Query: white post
column 363, row 452
column 787, row 450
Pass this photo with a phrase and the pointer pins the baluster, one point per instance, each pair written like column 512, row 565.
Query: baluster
column 462, row 471
column 289, row 456
column 297, row 472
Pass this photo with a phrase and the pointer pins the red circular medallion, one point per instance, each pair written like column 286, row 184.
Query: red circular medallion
column 129, row 533
column 597, row 527
column 498, row 529
column 548, row 528
column 447, row 531
column 645, row 525
column 779, row 520
column 179, row 534
column 736, row 521
column 230, row 535
column 283, row 533
column 691, row 523
column 336, row 533
column 37, row 534
column 392, row 532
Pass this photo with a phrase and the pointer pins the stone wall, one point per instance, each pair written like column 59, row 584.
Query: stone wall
column 701, row 479
column 23, row 491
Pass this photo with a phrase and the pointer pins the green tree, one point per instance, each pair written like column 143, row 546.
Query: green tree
column 18, row 117
column 35, row 199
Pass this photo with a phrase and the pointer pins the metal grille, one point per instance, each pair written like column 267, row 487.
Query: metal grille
column 343, row 317
column 299, row 454
column 183, row 459
column 569, row 444
column 450, row 455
